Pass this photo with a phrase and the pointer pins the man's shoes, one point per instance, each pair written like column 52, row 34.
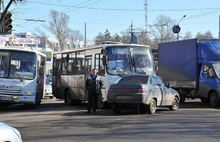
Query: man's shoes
column 87, row 112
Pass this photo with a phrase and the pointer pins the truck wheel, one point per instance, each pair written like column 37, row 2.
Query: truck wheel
column 68, row 99
column 182, row 98
column 100, row 102
column 116, row 108
column 151, row 109
column 213, row 99
column 175, row 104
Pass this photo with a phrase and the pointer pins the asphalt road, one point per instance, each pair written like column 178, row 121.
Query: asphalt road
column 54, row 121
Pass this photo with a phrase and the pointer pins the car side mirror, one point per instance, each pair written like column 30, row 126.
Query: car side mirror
column 169, row 86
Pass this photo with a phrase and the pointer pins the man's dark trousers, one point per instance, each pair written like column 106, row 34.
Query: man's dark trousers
column 92, row 96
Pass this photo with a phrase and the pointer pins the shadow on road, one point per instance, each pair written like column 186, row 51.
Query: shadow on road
column 48, row 105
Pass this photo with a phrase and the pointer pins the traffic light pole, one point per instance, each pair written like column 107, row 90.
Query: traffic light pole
column 6, row 9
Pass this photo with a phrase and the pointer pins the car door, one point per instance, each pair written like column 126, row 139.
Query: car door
column 157, row 90
column 166, row 91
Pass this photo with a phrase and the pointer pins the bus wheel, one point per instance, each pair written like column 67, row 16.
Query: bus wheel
column 68, row 99
column 213, row 99
column 37, row 100
column 100, row 102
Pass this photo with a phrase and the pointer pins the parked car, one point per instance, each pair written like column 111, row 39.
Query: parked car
column 48, row 90
column 144, row 91
column 9, row 134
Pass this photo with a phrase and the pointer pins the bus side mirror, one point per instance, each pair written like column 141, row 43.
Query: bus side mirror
column 104, row 60
column 43, row 63
column 41, row 70
column 103, row 51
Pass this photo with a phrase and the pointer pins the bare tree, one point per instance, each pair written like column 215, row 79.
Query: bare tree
column 206, row 35
column 188, row 35
column 58, row 26
column 75, row 37
column 125, row 38
column 161, row 30
column 100, row 38
column 116, row 38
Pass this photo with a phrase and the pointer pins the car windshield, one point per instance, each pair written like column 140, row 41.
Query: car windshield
column 17, row 65
column 134, row 80
column 129, row 60
column 216, row 67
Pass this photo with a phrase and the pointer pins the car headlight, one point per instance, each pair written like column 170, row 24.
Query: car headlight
column 17, row 132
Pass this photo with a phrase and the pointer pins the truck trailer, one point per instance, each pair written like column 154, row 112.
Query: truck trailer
column 192, row 67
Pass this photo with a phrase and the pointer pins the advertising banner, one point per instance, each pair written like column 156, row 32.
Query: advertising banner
column 18, row 41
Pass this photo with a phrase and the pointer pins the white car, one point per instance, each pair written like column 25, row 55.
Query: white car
column 9, row 134
column 48, row 90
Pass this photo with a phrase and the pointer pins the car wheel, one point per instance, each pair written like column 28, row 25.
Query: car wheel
column 100, row 102
column 116, row 108
column 68, row 99
column 204, row 100
column 213, row 99
column 175, row 104
column 151, row 109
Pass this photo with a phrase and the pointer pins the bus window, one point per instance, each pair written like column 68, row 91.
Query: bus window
column 54, row 64
column 65, row 60
column 79, row 68
column 23, row 65
column 71, row 63
column 99, row 64
column 4, row 64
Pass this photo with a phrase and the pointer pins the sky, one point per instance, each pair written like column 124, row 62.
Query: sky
column 117, row 15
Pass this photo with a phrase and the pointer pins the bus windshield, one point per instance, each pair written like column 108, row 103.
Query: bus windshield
column 17, row 65
column 129, row 60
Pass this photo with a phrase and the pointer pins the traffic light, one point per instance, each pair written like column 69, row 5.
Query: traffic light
column 7, row 23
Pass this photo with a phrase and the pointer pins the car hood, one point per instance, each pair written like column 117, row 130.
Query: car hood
column 8, row 133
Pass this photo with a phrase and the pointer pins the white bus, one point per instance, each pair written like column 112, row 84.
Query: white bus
column 112, row 61
column 22, row 76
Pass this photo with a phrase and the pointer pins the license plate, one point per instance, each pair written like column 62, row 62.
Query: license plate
column 5, row 98
column 123, row 97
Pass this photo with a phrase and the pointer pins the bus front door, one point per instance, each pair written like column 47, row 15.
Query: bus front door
column 88, row 69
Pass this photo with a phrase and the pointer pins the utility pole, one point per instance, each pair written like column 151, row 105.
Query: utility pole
column 133, row 37
column 85, row 34
column 145, row 7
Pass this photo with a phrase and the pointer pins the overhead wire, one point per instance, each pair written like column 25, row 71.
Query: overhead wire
column 59, row 11
column 123, row 9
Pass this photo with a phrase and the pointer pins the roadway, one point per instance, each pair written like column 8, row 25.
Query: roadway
column 54, row 121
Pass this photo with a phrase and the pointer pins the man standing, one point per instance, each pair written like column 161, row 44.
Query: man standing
column 93, row 86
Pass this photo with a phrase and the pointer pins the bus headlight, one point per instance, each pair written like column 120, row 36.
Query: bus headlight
column 29, row 92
